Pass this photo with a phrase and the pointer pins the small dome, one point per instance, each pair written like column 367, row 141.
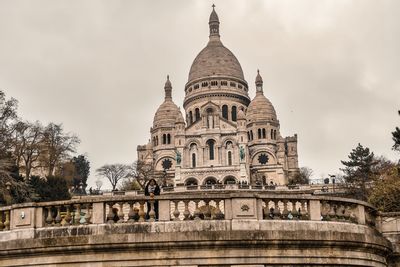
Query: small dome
column 180, row 118
column 166, row 114
column 260, row 108
column 241, row 115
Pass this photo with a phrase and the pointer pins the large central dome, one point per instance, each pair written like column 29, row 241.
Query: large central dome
column 215, row 59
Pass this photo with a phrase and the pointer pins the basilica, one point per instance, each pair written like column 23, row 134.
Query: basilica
column 224, row 137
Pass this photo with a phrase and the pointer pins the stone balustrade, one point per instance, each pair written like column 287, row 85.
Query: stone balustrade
column 195, row 205
column 5, row 218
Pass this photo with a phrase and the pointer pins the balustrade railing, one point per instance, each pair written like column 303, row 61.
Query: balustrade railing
column 67, row 214
column 286, row 209
column 209, row 205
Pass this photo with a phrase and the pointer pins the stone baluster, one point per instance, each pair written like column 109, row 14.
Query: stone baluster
column 152, row 213
column 294, row 210
column 277, row 212
column 207, row 213
column 218, row 213
column 1, row 220
column 67, row 218
column 49, row 218
column 197, row 212
column 332, row 212
column 88, row 214
column 346, row 213
column 176, row 212
column 142, row 214
column 132, row 214
column 77, row 214
column 285, row 211
column 121, row 212
column 304, row 210
column 58, row 219
column 110, row 215
column 340, row 211
column 7, row 220
column 186, row 213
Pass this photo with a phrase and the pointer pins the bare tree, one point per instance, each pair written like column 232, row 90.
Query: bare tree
column 57, row 146
column 142, row 172
column 28, row 145
column 114, row 173
column 303, row 176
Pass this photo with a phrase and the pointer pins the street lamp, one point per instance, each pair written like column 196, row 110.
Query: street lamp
column 333, row 181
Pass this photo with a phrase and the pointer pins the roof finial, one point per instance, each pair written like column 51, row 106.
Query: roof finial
column 259, row 82
column 168, row 89
column 214, row 23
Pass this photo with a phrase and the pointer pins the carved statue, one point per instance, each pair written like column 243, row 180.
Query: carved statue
column 178, row 157
column 242, row 153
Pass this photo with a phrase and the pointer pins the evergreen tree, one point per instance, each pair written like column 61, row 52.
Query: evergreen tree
column 396, row 138
column 358, row 171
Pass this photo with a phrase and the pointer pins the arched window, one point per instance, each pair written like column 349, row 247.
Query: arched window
column 229, row 158
column 190, row 117
column 248, row 136
column 211, row 144
column 225, row 111
column 197, row 112
column 234, row 113
column 193, row 160
column 272, row 134
column 259, row 133
column 251, row 135
column 168, row 139
column 263, row 134
column 164, row 139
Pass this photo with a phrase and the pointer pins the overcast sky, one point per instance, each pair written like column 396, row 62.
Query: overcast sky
column 330, row 68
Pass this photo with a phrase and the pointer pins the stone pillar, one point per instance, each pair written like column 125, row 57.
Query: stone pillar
column 98, row 216
column 315, row 210
column 260, row 209
column 177, row 179
column 228, row 209
column 360, row 214
column 243, row 173
column 39, row 218
column 22, row 218
column 164, row 210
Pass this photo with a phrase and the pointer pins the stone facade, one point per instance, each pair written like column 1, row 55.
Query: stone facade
column 225, row 137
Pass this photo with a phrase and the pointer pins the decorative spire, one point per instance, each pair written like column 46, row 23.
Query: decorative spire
column 214, row 23
column 259, row 83
column 168, row 89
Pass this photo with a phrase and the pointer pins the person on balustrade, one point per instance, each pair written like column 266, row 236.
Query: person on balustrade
column 152, row 189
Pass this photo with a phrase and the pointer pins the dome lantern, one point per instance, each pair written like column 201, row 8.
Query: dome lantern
column 214, row 24
column 259, row 83
column 168, row 89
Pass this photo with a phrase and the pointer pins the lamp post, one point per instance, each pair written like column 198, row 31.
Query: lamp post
column 333, row 181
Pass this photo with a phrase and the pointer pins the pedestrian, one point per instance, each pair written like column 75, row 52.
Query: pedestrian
column 152, row 189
